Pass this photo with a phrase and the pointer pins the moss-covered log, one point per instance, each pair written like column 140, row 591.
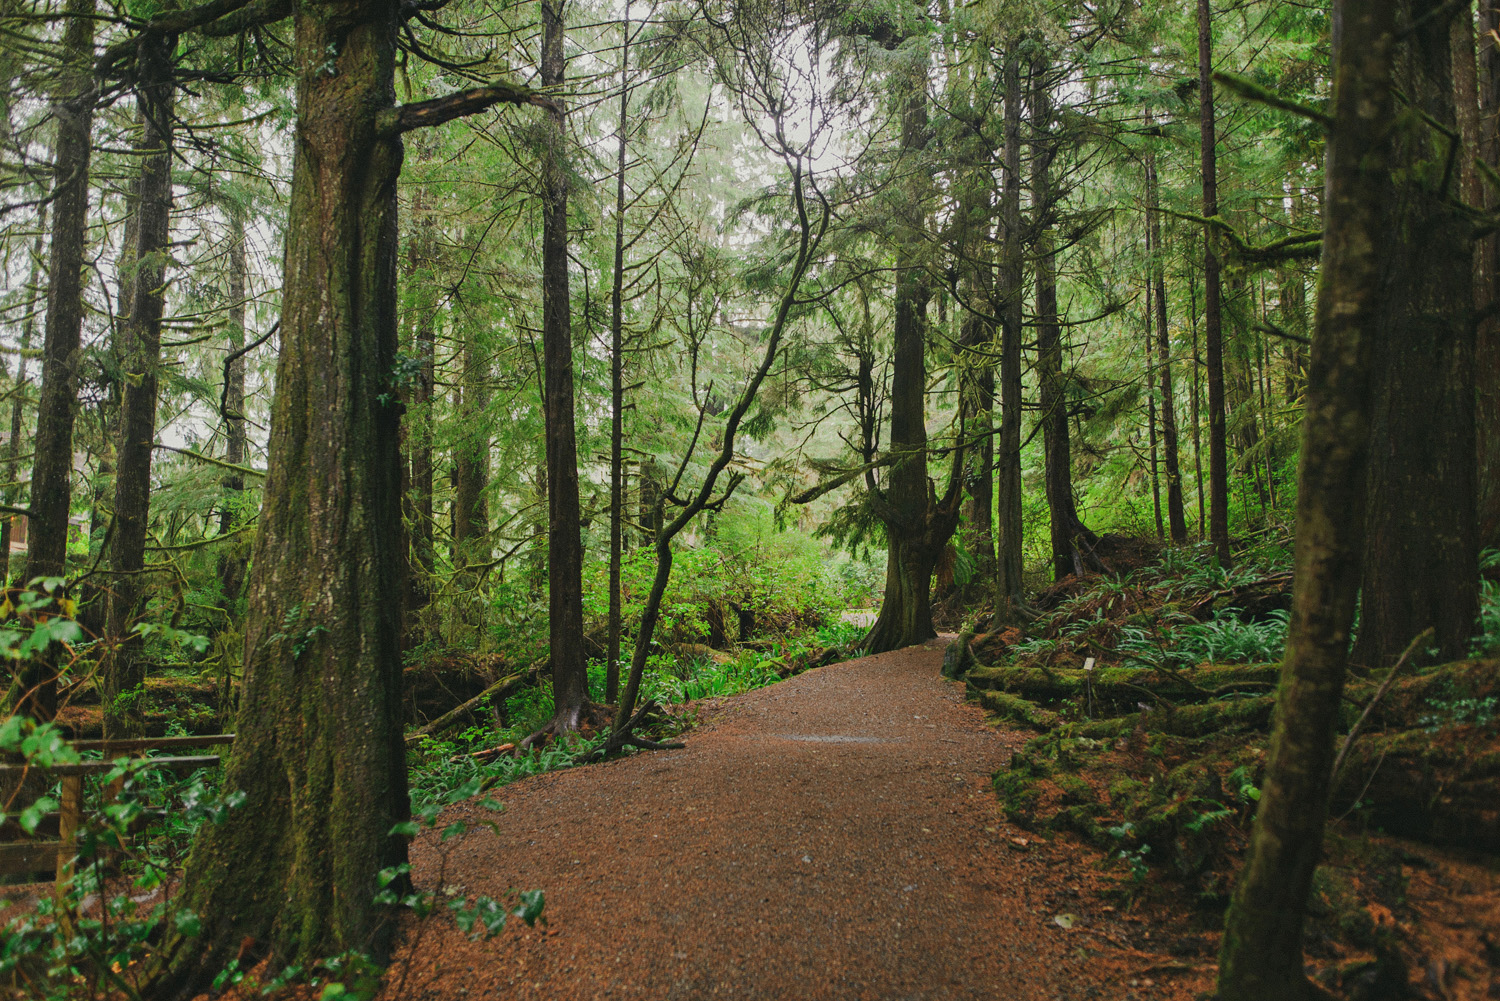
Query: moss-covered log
column 1179, row 721
column 1019, row 710
column 1439, row 787
column 1122, row 685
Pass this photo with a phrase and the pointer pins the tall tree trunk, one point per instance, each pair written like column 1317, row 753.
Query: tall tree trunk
column 18, row 404
column 905, row 615
column 1155, row 458
column 471, row 509
column 419, row 426
column 1468, row 101
column 570, row 690
column 917, row 524
column 1261, row 952
column 1197, row 390
column 1421, row 542
column 1213, row 323
column 1009, row 531
column 124, row 667
column 971, row 243
column 232, row 562
column 1487, row 284
column 94, row 594
column 1069, row 535
column 617, row 382
column 52, row 466
column 1176, row 518
column 319, row 753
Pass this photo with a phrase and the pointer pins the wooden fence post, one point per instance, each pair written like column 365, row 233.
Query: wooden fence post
column 67, row 829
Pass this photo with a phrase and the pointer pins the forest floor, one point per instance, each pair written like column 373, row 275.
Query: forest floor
column 832, row 836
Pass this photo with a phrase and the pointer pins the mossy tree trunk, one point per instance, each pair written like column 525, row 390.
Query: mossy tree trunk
column 1213, row 319
column 124, row 667
column 1421, row 542
column 319, row 756
column 52, row 466
column 319, row 753
column 1261, row 955
column 570, row 690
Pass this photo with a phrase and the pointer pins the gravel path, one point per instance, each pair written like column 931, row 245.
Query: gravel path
column 832, row 836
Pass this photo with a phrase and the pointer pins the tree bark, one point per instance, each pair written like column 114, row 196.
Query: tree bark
column 1486, row 142
column 1154, row 456
column 1176, row 518
column 917, row 524
column 570, row 692
column 617, row 383
column 1068, row 533
column 1421, row 542
column 419, row 424
column 1213, row 323
column 471, row 509
column 18, row 405
column 232, row 563
column 1261, row 953
column 318, row 752
column 124, row 667
column 971, row 242
column 52, row 467
column 1009, row 533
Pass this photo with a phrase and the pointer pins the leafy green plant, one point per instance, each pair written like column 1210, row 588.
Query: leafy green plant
column 85, row 939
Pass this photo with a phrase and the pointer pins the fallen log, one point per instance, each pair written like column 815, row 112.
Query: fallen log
column 499, row 690
column 1125, row 685
column 1203, row 720
column 1019, row 710
column 1442, row 788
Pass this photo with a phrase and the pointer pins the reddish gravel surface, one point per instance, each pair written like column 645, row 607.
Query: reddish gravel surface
column 831, row 836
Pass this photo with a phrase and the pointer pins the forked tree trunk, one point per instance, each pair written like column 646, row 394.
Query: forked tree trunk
column 570, row 691
column 1261, row 954
column 124, row 667
column 1421, row 543
column 1213, row 322
column 52, row 467
column 319, row 753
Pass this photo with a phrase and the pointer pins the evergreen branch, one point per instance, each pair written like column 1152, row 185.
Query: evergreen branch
column 214, row 462
column 1298, row 246
column 1251, row 91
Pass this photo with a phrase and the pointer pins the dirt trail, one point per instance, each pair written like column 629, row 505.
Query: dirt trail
column 832, row 836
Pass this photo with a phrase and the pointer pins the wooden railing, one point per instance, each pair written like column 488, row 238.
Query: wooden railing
column 24, row 854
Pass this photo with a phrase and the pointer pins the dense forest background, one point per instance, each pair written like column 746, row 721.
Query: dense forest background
column 380, row 370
